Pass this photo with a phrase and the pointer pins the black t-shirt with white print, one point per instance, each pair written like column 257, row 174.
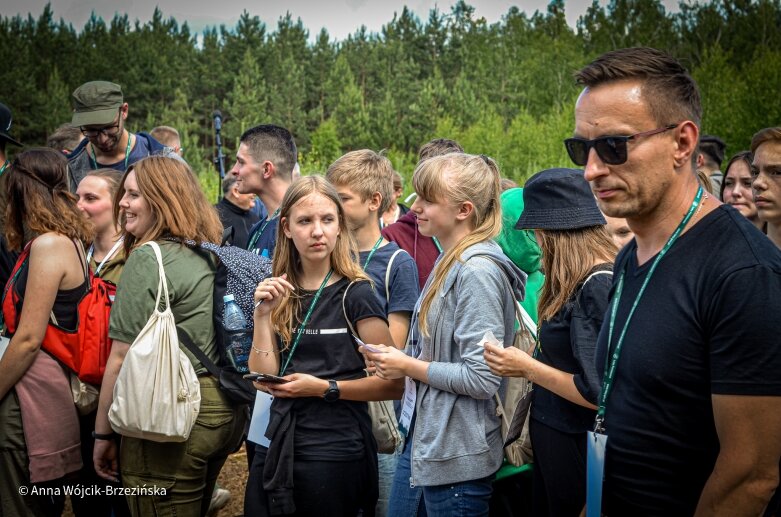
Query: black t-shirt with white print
column 331, row 431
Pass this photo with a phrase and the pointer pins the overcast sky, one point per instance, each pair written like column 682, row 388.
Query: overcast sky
column 339, row 17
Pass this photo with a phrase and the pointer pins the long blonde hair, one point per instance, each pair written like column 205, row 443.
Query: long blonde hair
column 287, row 259
column 567, row 258
column 456, row 178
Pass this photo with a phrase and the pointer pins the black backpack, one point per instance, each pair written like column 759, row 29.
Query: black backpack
column 238, row 273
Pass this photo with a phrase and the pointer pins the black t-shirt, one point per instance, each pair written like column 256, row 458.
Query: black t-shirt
column 240, row 220
column 331, row 431
column 567, row 342
column 706, row 324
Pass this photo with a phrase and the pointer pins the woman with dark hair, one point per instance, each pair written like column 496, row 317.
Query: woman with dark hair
column 39, row 435
column 577, row 258
column 736, row 189
column 160, row 200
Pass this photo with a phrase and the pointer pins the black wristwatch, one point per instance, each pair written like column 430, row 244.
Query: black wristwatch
column 99, row 436
column 332, row 393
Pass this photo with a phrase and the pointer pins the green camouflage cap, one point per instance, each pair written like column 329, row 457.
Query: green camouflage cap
column 96, row 103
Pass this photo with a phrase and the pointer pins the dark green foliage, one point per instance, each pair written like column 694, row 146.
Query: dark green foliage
column 504, row 89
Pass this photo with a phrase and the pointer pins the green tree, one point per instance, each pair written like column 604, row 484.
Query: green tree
column 247, row 102
column 326, row 147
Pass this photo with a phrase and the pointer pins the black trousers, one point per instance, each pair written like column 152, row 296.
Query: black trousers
column 559, row 471
column 322, row 488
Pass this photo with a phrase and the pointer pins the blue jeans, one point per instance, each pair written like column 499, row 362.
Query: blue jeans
column 467, row 498
column 386, row 467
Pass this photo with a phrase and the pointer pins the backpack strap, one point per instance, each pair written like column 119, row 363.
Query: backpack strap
column 520, row 313
column 387, row 276
column 595, row 273
column 199, row 354
column 227, row 235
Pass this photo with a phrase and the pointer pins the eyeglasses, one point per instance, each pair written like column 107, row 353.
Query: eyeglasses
column 105, row 131
column 611, row 149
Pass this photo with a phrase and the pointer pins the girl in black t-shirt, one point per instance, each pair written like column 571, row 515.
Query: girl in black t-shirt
column 322, row 457
column 577, row 257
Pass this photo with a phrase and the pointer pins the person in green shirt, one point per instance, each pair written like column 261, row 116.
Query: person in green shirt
column 160, row 200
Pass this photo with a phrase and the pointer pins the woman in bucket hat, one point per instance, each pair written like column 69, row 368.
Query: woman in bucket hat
column 577, row 257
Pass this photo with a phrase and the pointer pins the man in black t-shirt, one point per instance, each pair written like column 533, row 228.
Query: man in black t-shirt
column 693, row 410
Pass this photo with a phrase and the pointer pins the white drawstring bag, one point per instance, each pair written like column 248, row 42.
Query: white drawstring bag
column 157, row 395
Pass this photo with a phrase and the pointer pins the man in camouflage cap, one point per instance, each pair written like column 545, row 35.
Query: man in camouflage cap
column 100, row 112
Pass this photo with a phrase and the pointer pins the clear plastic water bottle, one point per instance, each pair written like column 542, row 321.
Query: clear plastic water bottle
column 238, row 334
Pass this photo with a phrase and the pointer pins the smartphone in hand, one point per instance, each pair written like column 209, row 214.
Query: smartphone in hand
column 264, row 377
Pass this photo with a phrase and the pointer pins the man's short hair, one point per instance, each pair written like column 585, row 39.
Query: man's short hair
column 668, row 89
column 167, row 136
column 438, row 147
column 364, row 172
column 769, row 134
column 227, row 184
column 268, row 142
column 713, row 147
column 65, row 138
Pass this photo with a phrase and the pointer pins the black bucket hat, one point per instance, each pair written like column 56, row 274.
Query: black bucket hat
column 558, row 199
column 6, row 119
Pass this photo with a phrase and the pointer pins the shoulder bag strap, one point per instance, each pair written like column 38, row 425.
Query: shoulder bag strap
column 344, row 310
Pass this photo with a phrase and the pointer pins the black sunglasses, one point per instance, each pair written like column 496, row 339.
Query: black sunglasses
column 611, row 149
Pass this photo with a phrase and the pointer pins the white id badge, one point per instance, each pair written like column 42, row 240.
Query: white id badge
column 408, row 407
column 595, row 472
column 4, row 341
column 260, row 417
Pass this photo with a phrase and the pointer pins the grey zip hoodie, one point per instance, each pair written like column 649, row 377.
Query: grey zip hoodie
column 456, row 436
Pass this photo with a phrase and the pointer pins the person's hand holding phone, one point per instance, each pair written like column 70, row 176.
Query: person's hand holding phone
column 296, row 385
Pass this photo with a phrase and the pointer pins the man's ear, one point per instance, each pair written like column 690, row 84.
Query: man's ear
column 375, row 201
column 686, row 140
column 465, row 210
column 269, row 170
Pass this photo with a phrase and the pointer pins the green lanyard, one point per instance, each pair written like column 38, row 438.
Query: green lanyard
column 437, row 244
column 303, row 323
column 611, row 360
column 371, row 253
column 127, row 152
column 262, row 229
column 4, row 167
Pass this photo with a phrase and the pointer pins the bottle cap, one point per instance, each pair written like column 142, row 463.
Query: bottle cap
column 227, row 298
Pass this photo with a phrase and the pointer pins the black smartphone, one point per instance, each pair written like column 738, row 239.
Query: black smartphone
column 264, row 377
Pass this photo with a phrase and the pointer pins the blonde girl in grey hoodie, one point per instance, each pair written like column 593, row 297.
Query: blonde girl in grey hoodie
column 453, row 446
